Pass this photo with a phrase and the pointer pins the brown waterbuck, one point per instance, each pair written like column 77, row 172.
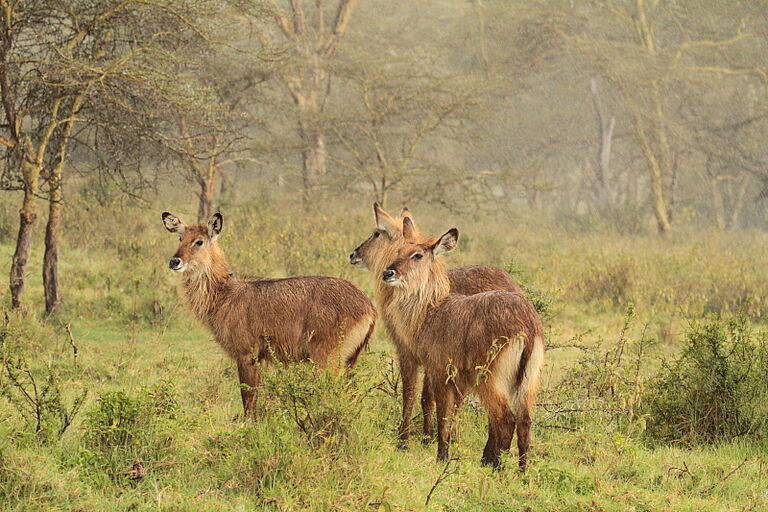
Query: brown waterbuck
column 378, row 251
column 323, row 319
column 491, row 342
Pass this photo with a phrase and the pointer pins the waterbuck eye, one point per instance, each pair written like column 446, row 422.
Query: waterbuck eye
column 198, row 243
column 417, row 256
column 376, row 234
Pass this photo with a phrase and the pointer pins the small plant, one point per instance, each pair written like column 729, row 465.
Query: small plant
column 611, row 282
column 605, row 386
column 36, row 395
column 122, row 432
column 322, row 404
column 716, row 390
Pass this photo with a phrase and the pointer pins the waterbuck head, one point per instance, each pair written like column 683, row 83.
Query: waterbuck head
column 198, row 249
column 417, row 262
column 379, row 248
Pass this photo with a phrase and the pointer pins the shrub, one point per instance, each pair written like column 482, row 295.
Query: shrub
column 121, row 430
column 324, row 406
column 716, row 390
column 542, row 301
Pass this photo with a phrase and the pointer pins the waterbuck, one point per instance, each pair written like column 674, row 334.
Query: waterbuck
column 378, row 251
column 323, row 319
column 491, row 342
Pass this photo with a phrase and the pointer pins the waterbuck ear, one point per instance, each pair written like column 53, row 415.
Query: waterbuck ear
column 385, row 222
column 173, row 223
column 406, row 214
column 446, row 243
column 409, row 230
column 214, row 225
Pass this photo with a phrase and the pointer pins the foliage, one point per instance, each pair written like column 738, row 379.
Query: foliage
column 716, row 390
column 120, row 429
column 322, row 404
column 603, row 389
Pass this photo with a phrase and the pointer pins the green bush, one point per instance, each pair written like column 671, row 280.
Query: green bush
column 121, row 430
column 542, row 301
column 717, row 390
column 323, row 406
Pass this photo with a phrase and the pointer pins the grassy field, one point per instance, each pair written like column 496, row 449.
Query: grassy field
column 137, row 409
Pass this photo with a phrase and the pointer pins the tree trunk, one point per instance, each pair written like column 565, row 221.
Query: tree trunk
column 738, row 203
column 600, row 189
column 656, row 172
column 313, row 161
column 207, row 195
column 207, row 181
column 27, row 216
column 51, row 255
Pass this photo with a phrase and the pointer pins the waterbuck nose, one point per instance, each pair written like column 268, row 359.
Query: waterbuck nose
column 388, row 274
column 353, row 256
column 175, row 263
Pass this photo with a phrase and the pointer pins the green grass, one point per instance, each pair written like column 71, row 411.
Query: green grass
column 199, row 454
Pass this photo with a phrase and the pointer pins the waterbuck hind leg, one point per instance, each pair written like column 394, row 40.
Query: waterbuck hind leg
column 501, row 427
column 428, row 411
column 410, row 373
column 248, row 372
column 523, row 437
column 491, row 447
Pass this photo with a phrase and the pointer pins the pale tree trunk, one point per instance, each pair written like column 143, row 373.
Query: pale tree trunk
column 313, row 160
column 206, row 195
column 309, row 86
column 600, row 188
column 655, row 145
column 739, row 200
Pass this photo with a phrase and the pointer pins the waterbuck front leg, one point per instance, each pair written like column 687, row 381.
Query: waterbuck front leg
column 248, row 372
column 445, row 400
column 409, row 371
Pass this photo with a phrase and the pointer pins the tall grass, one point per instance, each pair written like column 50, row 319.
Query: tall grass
column 161, row 427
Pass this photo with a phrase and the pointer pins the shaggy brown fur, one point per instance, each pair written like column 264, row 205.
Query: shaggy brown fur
column 465, row 343
column 325, row 319
column 378, row 251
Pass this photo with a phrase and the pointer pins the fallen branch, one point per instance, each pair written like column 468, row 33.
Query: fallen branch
column 726, row 477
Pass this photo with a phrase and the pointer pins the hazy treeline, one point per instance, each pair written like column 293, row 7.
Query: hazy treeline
column 631, row 113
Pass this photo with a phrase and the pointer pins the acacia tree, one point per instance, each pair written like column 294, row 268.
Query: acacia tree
column 63, row 63
column 646, row 50
column 218, row 133
column 304, row 37
column 399, row 126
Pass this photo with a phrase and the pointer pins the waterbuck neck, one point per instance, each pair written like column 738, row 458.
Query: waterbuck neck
column 202, row 285
column 408, row 306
